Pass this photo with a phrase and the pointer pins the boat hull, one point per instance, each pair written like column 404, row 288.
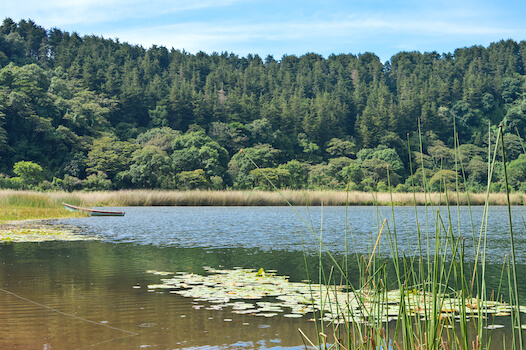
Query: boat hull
column 93, row 212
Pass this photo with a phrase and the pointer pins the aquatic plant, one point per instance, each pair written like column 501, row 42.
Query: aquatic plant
column 242, row 289
column 40, row 233
column 427, row 291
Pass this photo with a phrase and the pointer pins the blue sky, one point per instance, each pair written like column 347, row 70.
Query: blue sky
column 280, row 27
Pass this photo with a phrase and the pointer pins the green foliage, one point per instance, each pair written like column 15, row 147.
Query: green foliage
column 298, row 174
column 29, row 172
column 241, row 165
column 517, row 172
column 320, row 177
column 191, row 180
column 338, row 148
column 97, row 182
column 440, row 155
column 477, row 171
column 443, row 179
column 310, row 149
column 353, row 172
column 196, row 150
column 110, row 156
column 511, row 89
column 163, row 138
column 516, row 117
column 267, row 178
column 378, row 160
column 378, row 170
column 81, row 106
column 5, row 181
column 151, row 168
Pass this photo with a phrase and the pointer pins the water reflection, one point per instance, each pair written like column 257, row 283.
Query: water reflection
column 99, row 281
column 95, row 281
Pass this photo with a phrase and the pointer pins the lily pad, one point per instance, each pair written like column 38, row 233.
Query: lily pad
column 242, row 290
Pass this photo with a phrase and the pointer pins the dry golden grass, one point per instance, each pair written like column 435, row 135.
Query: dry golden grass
column 243, row 198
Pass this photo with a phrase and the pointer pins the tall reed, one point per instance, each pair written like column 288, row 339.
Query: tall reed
column 442, row 301
column 250, row 198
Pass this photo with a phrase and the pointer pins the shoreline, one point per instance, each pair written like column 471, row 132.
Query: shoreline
column 23, row 213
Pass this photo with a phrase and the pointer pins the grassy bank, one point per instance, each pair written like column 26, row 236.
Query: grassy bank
column 49, row 203
column 24, row 205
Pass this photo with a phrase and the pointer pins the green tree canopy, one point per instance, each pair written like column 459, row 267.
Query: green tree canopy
column 242, row 163
column 29, row 172
column 110, row 156
column 196, row 150
column 151, row 167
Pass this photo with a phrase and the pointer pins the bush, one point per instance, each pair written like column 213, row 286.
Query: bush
column 70, row 183
column 191, row 180
column 402, row 188
column 216, row 182
column 97, row 182
column 278, row 177
column 29, row 172
column 5, row 181
column 16, row 183
column 381, row 186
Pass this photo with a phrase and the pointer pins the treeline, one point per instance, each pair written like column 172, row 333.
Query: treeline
column 93, row 113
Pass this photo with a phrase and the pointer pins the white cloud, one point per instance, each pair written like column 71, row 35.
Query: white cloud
column 206, row 34
column 56, row 13
column 237, row 26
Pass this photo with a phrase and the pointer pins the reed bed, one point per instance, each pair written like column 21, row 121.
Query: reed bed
column 248, row 198
column 429, row 297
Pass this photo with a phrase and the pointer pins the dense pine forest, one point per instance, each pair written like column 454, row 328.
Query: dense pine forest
column 89, row 113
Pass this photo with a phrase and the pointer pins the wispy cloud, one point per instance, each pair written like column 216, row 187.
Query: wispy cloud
column 277, row 27
column 60, row 12
column 203, row 34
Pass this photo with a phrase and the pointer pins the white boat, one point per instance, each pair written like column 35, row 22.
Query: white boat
column 93, row 212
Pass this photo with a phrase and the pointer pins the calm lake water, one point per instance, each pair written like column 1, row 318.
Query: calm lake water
column 93, row 294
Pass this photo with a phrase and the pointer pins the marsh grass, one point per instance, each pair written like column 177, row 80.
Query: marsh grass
column 442, row 300
column 247, row 198
column 22, row 205
column 16, row 213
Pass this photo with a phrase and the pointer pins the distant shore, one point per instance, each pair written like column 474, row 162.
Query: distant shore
column 21, row 212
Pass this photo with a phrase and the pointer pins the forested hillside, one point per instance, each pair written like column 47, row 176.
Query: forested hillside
column 94, row 113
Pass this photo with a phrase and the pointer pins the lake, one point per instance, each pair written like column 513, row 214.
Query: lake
column 94, row 294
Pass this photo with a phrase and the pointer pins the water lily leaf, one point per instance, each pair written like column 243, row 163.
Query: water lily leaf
column 242, row 290
column 494, row 326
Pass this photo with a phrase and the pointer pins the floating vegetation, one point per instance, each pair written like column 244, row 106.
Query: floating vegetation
column 147, row 325
column 242, row 290
column 162, row 273
column 41, row 233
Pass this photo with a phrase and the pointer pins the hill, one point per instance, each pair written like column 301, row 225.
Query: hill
column 95, row 113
